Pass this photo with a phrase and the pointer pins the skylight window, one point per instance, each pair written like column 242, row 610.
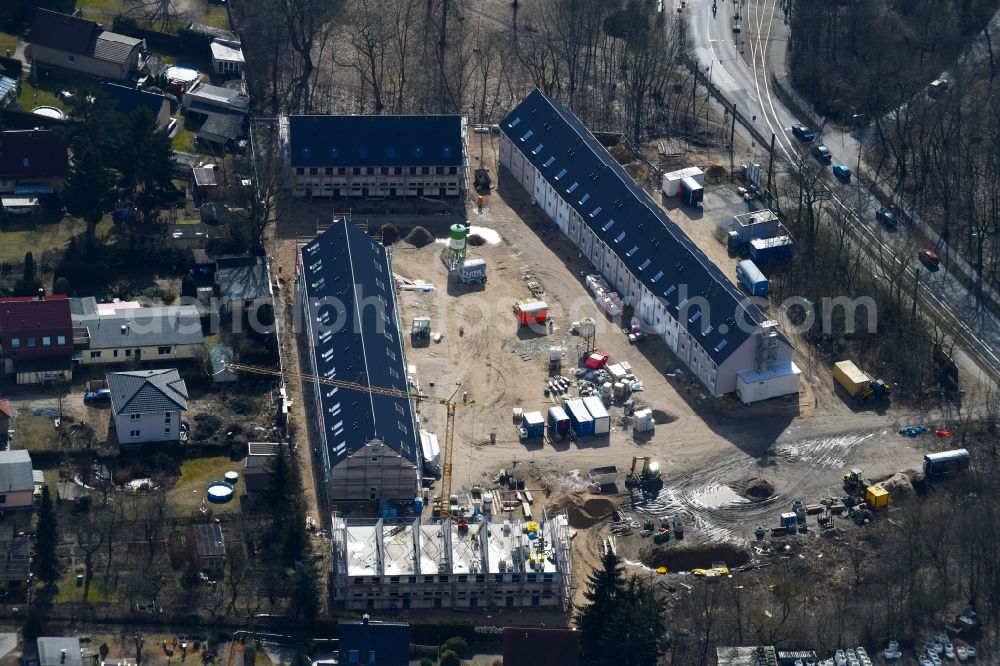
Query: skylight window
column 390, row 152
column 658, row 275
column 670, row 290
column 334, row 153
column 584, row 198
column 446, row 151
column 306, row 153
column 572, row 188
column 527, row 136
column 514, row 122
column 620, row 237
column 707, row 330
column 695, row 317
column 608, row 225
column 635, row 248
column 537, row 149
column 418, row 151
column 644, row 265
column 560, row 174
column 682, row 304
column 595, row 212
column 549, row 162
column 721, row 346
column 362, row 152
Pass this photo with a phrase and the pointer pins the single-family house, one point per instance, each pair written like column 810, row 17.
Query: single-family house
column 210, row 546
column 59, row 651
column 8, row 90
column 126, row 332
column 80, row 46
column 146, row 405
column 374, row 156
column 4, row 420
column 368, row 641
column 221, row 131
column 15, row 560
column 256, row 477
column 128, row 99
column 32, row 162
column 227, row 57
column 17, row 482
column 244, row 283
column 219, row 357
column 36, row 338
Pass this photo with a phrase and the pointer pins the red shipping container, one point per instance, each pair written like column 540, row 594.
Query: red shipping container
column 596, row 361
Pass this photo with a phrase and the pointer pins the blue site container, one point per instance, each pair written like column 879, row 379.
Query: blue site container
column 751, row 277
column 583, row 422
column 533, row 424
column 559, row 422
column 771, row 250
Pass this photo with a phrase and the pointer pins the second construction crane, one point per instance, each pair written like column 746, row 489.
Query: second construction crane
column 442, row 503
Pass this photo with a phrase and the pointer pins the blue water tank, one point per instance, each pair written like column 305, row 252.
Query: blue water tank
column 418, row 506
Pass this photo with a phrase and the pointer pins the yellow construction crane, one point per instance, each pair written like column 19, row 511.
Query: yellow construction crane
column 443, row 501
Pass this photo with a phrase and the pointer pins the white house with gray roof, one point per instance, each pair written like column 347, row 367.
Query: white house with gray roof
column 146, row 405
column 17, row 481
column 125, row 332
column 720, row 335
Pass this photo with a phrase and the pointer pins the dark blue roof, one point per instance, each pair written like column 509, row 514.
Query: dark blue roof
column 322, row 141
column 343, row 267
column 128, row 99
column 390, row 641
column 626, row 218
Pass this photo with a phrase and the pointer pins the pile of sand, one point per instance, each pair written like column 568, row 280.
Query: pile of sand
column 591, row 512
column 476, row 240
column 758, row 489
column 899, row 486
column 686, row 558
column 419, row 237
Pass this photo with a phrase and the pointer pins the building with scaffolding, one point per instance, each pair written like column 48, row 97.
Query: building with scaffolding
column 492, row 563
column 370, row 449
column 673, row 288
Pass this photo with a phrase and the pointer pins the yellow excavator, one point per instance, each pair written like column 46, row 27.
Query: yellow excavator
column 648, row 475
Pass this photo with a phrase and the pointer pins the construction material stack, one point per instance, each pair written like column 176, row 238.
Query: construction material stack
column 858, row 384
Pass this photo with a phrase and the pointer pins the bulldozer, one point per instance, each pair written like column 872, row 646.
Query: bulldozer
column 854, row 481
column 647, row 477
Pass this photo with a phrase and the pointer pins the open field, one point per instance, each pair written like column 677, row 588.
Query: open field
column 98, row 593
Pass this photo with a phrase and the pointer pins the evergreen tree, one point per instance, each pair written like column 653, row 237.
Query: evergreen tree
column 604, row 586
column 46, row 562
column 630, row 635
column 282, row 478
column 189, row 288
column 90, row 189
column 294, row 540
column 145, row 162
column 305, row 592
column 29, row 267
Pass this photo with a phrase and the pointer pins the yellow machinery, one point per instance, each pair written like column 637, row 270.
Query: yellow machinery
column 647, row 476
column 443, row 501
column 877, row 497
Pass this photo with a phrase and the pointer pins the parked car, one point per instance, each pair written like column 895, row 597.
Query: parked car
column 803, row 133
column 842, row 172
column 887, row 216
column 98, row 396
column 929, row 258
column 822, row 153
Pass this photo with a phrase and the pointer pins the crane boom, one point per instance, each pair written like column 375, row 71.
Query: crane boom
column 444, row 498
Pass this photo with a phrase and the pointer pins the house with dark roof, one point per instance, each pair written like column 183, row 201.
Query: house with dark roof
column 36, row 338
column 107, row 333
column 127, row 99
column 77, row 45
column 374, row 156
column 369, row 442
column 256, row 465
column 210, row 546
column 17, row 481
column 244, row 283
column 219, row 358
column 32, row 162
column 719, row 334
column 146, row 405
column 59, row 651
column 368, row 641
column 527, row 646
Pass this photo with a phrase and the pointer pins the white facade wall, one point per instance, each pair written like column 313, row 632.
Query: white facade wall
column 150, row 427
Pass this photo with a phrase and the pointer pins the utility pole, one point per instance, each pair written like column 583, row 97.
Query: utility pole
column 732, row 146
column 770, row 167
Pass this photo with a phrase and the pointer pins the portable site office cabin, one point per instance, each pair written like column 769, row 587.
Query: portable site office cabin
column 692, row 192
column 671, row 182
column 531, row 312
column 945, row 462
column 751, row 277
column 583, row 422
column 597, row 410
column 533, row 425
column 558, row 420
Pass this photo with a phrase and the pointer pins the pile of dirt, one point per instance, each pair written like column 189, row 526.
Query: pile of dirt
column 476, row 240
column 899, row 486
column 621, row 153
column 715, row 171
column 757, row 488
column 588, row 514
column 693, row 557
column 419, row 237
column 661, row 417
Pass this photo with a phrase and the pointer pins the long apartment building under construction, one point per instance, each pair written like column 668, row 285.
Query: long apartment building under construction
column 492, row 563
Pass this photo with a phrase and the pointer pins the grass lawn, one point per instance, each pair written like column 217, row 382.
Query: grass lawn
column 99, row 593
column 36, row 433
column 184, row 141
column 215, row 16
column 189, row 491
column 8, row 42
column 261, row 659
column 35, row 94
column 21, row 235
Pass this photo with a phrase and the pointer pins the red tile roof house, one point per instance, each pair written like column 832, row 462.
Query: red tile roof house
column 36, row 339
column 32, row 162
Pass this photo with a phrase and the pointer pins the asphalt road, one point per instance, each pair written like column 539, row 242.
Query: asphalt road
column 738, row 64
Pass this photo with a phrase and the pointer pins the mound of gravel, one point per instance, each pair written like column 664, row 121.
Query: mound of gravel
column 591, row 512
column 419, row 237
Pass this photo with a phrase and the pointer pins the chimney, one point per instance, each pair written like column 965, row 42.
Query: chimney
column 365, row 618
column 41, row 294
column 62, row 656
